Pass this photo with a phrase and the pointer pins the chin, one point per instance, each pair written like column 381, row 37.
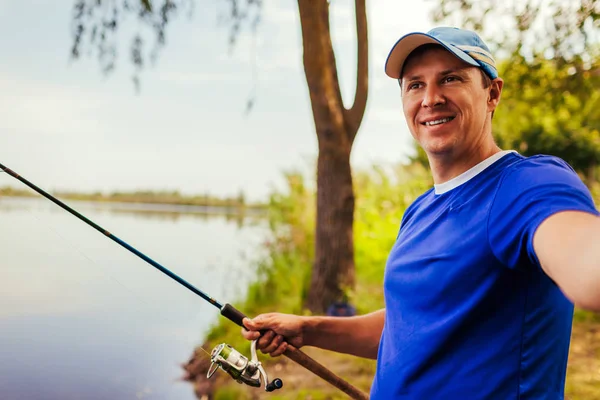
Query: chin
column 438, row 149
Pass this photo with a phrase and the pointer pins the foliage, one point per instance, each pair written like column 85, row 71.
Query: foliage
column 145, row 196
column 96, row 25
column 283, row 274
column 548, row 108
column 383, row 194
column 551, row 68
column 10, row 191
column 586, row 316
column 559, row 29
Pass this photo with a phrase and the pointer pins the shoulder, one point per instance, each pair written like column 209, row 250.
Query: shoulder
column 542, row 184
column 538, row 169
column 529, row 179
column 530, row 190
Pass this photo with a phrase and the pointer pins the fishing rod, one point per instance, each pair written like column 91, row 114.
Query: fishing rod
column 223, row 356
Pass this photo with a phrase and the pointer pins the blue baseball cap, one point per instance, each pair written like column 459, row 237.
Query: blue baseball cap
column 464, row 44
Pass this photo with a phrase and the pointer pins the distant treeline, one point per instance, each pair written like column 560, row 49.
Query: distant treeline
column 144, row 196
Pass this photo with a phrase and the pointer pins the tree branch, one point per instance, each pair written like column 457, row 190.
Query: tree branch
column 97, row 27
column 320, row 67
column 354, row 115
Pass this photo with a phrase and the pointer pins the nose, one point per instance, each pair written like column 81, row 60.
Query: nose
column 433, row 97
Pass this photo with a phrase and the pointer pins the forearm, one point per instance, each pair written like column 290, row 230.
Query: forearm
column 580, row 280
column 358, row 335
column 566, row 245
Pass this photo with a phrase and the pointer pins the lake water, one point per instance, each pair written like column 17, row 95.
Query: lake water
column 83, row 318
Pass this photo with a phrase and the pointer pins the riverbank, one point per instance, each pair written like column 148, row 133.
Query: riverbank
column 583, row 373
column 146, row 197
column 283, row 276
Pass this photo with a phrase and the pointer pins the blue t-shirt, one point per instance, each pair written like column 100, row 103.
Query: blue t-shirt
column 470, row 314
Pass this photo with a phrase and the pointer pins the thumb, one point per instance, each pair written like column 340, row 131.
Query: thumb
column 248, row 324
column 252, row 324
column 258, row 323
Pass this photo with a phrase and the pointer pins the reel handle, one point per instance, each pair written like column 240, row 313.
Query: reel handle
column 274, row 385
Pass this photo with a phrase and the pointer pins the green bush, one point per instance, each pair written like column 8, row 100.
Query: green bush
column 283, row 273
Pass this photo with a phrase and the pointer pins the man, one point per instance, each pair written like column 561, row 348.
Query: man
column 480, row 284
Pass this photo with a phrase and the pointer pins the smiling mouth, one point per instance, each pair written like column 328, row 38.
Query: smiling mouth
column 438, row 121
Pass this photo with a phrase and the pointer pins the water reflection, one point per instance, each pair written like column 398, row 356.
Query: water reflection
column 82, row 318
column 159, row 211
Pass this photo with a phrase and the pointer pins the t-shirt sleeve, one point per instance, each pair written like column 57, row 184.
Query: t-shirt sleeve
column 530, row 192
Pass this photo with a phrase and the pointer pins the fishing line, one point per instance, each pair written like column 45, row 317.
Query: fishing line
column 76, row 249
column 72, row 246
column 204, row 350
column 223, row 356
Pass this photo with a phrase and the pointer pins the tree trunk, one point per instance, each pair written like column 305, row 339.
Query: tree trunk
column 336, row 127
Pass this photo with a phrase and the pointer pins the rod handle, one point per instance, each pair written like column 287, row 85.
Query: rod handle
column 233, row 314
column 294, row 354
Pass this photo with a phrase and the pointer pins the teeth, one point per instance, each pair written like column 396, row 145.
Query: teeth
column 438, row 121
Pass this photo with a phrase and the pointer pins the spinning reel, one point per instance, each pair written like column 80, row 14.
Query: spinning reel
column 240, row 368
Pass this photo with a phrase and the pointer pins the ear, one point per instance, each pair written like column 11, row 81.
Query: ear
column 495, row 93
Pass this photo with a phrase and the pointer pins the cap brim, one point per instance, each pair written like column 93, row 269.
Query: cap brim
column 407, row 43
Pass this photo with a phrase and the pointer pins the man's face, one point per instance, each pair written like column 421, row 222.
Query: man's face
column 445, row 104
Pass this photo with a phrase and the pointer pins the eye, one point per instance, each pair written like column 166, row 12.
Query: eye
column 414, row 85
column 450, row 78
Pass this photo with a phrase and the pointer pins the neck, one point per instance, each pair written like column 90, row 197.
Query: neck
column 447, row 166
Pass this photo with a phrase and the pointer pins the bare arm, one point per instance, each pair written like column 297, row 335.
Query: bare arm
column 358, row 335
column 568, row 247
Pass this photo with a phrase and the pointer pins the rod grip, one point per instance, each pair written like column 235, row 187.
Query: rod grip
column 232, row 314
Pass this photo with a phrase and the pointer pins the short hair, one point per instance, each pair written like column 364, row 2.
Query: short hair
column 486, row 80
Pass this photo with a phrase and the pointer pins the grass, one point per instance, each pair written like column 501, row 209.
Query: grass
column 283, row 276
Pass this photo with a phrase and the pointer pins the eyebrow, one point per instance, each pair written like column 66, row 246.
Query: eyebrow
column 443, row 73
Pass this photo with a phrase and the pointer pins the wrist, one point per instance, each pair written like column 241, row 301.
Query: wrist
column 309, row 328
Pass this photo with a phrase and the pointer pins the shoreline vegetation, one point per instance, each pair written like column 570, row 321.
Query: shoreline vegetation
column 236, row 204
column 283, row 277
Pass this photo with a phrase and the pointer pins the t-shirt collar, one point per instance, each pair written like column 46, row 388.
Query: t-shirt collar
column 470, row 173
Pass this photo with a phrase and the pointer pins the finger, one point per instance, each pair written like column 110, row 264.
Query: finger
column 256, row 324
column 280, row 350
column 251, row 324
column 275, row 343
column 265, row 340
column 250, row 335
column 246, row 324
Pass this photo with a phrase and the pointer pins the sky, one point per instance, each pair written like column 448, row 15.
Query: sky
column 66, row 126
